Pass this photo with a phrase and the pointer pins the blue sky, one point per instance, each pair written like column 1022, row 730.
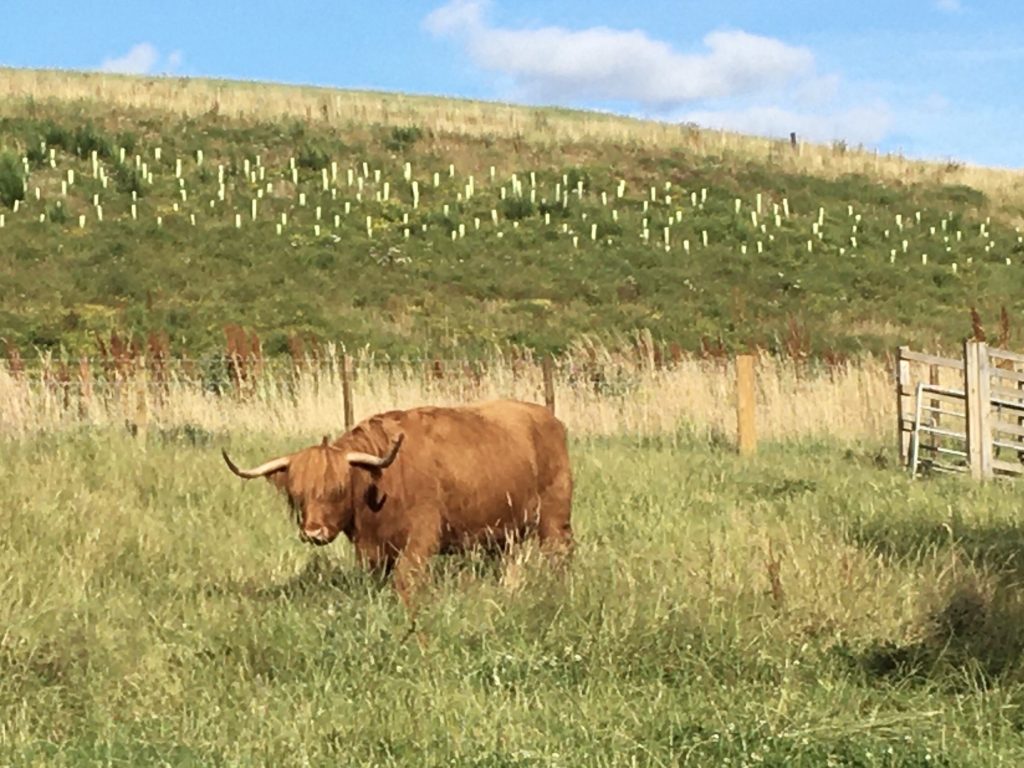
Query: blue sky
column 937, row 79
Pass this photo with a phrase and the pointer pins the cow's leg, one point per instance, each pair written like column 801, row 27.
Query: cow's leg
column 555, row 527
column 375, row 559
column 421, row 544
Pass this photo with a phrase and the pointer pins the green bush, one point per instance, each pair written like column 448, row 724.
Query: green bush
column 128, row 180
column 88, row 139
column 57, row 136
column 313, row 156
column 403, row 137
column 127, row 140
column 516, row 208
column 57, row 213
column 12, row 179
column 36, row 155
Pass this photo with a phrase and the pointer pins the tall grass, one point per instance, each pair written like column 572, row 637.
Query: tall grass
column 597, row 394
column 802, row 608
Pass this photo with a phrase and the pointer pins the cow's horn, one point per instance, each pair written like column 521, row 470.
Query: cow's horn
column 261, row 471
column 376, row 462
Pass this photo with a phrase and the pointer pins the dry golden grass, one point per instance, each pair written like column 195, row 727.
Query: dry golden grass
column 534, row 126
column 849, row 402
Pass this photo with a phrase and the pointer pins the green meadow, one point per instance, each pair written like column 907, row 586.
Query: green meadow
column 503, row 242
column 809, row 606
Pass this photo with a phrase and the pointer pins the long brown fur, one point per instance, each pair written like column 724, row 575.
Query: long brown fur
column 464, row 476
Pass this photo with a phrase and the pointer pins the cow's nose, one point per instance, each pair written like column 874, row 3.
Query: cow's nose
column 316, row 535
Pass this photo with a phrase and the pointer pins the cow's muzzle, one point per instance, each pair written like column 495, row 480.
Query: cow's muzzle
column 318, row 537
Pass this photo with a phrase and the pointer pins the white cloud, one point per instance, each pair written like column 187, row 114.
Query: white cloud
column 949, row 6
column 602, row 63
column 142, row 59
column 737, row 81
column 139, row 60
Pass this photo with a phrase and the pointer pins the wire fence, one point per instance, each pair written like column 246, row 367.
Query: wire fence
column 593, row 389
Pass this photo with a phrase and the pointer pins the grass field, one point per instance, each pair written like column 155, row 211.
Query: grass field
column 420, row 227
column 806, row 607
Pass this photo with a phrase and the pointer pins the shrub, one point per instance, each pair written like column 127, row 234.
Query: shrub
column 88, row 139
column 12, row 179
column 127, row 140
column 516, row 208
column 403, row 137
column 56, row 135
column 36, row 155
column 57, row 213
column 575, row 176
column 313, row 156
column 128, row 179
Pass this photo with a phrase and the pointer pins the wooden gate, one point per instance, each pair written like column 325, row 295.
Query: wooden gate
column 967, row 415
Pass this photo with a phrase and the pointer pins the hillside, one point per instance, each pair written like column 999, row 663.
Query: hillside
column 417, row 225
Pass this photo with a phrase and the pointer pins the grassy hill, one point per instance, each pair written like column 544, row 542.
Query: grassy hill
column 417, row 225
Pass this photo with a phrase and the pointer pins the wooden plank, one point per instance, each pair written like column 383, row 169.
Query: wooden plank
column 1015, row 447
column 746, row 394
column 346, row 391
column 985, row 409
column 1017, row 430
column 934, row 404
column 1003, row 373
column 952, row 394
column 974, row 407
column 1011, row 394
column 1020, row 416
column 1006, row 428
column 85, row 388
column 919, row 357
column 945, row 451
column 1007, row 405
column 903, row 382
column 547, row 367
column 934, row 465
column 957, row 394
column 1005, row 354
column 1008, row 466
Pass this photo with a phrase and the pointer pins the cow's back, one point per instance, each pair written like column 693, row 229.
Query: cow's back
column 486, row 466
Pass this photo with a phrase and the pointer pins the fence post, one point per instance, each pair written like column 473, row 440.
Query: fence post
column 903, row 436
column 985, row 412
column 547, row 367
column 141, row 402
column 85, row 388
column 935, row 380
column 979, row 408
column 346, row 390
column 746, row 399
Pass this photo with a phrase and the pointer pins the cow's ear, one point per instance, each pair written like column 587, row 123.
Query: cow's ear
column 278, row 479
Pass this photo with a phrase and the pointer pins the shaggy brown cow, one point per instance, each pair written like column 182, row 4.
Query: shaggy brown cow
column 405, row 485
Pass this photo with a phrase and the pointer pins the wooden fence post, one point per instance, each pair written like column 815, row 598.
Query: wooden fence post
column 746, row 399
column 85, row 388
column 547, row 367
column 346, row 390
column 979, row 409
column 903, row 436
column 934, row 379
column 141, row 402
